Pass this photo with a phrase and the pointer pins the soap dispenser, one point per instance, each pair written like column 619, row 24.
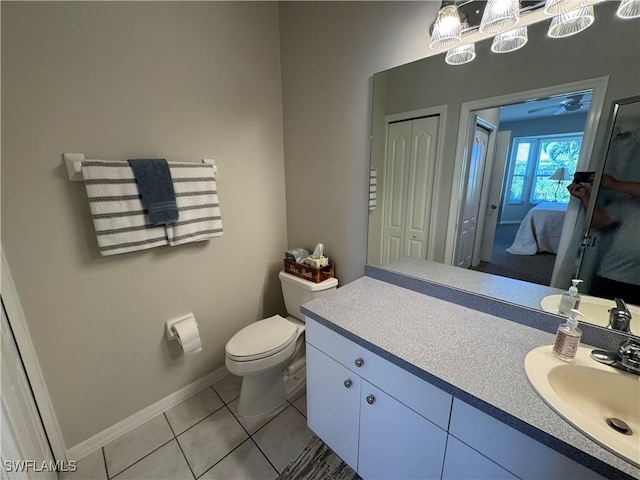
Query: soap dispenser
column 568, row 338
column 570, row 299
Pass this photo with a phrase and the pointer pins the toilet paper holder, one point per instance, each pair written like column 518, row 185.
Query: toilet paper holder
column 170, row 326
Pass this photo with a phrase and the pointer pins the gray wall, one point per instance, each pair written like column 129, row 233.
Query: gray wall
column 330, row 51
column 545, row 126
column 118, row 80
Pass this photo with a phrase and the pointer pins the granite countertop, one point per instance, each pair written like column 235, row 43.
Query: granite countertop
column 475, row 356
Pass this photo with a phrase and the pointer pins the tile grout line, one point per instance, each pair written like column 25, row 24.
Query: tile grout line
column 142, row 458
column 199, row 421
column 104, row 461
column 251, row 435
column 234, row 449
column 264, row 455
column 303, row 414
column 226, row 405
column 175, row 437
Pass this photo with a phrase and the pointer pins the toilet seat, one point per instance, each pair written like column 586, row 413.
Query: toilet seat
column 261, row 339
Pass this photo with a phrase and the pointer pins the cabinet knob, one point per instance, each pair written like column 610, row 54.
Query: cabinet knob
column 359, row 362
column 348, row 383
column 371, row 399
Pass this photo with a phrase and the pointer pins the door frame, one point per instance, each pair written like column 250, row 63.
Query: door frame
column 18, row 324
column 599, row 87
column 441, row 112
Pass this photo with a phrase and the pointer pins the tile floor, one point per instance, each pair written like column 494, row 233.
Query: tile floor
column 203, row 438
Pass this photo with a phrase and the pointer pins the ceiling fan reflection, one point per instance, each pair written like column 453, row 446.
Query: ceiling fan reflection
column 572, row 103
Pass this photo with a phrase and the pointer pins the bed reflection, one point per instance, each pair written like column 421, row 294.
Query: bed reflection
column 540, row 230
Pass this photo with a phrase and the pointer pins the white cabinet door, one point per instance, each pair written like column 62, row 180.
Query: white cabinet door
column 462, row 463
column 396, row 442
column 513, row 450
column 333, row 403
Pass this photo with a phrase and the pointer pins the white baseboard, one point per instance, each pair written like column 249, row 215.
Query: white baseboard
column 101, row 439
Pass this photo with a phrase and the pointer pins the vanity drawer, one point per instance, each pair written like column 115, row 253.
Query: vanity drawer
column 511, row 449
column 335, row 345
column 414, row 392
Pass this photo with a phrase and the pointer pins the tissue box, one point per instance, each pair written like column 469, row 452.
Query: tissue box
column 315, row 275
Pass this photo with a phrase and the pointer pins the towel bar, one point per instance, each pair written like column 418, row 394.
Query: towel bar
column 73, row 161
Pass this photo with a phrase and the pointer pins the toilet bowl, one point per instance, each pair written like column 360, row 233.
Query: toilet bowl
column 269, row 354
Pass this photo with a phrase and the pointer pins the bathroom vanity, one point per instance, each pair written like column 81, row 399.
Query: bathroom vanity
column 405, row 385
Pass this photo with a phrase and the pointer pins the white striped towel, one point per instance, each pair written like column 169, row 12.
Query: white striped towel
column 197, row 200
column 373, row 186
column 121, row 221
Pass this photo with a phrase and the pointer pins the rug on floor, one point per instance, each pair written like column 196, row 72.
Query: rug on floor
column 318, row 462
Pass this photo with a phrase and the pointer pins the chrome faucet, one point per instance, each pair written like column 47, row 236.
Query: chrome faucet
column 627, row 357
column 620, row 316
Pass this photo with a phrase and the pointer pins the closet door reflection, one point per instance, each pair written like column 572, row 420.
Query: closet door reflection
column 409, row 176
column 611, row 262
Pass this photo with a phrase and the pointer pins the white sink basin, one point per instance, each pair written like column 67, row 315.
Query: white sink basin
column 594, row 309
column 587, row 393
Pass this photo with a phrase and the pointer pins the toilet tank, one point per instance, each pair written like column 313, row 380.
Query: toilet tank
column 297, row 291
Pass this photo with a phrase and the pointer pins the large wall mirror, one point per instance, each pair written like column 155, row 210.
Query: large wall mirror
column 472, row 162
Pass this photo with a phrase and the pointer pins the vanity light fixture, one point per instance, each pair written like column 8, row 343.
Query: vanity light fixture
column 629, row 9
column 500, row 16
column 570, row 23
column 461, row 55
column 447, row 30
column 510, row 41
column 458, row 19
column 556, row 7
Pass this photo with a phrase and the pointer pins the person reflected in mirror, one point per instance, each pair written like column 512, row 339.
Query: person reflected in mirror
column 618, row 274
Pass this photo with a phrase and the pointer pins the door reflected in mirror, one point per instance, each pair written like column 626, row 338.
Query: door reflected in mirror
column 537, row 146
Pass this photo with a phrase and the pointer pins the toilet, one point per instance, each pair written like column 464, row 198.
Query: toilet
column 270, row 354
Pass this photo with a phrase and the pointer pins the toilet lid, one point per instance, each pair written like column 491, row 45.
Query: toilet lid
column 262, row 338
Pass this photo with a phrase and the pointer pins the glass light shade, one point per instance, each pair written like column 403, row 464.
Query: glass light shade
column 461, row 55
column 556, row 7
column 572, row 22
column 629, row 9
column 510, row 41
column 447, row 29
column 500, row 16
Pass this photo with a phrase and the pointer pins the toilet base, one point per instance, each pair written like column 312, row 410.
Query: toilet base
column 264, row 395
column 296, row 384
column 261, row 394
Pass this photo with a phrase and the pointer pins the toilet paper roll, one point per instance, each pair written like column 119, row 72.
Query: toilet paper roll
column 186, row 331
